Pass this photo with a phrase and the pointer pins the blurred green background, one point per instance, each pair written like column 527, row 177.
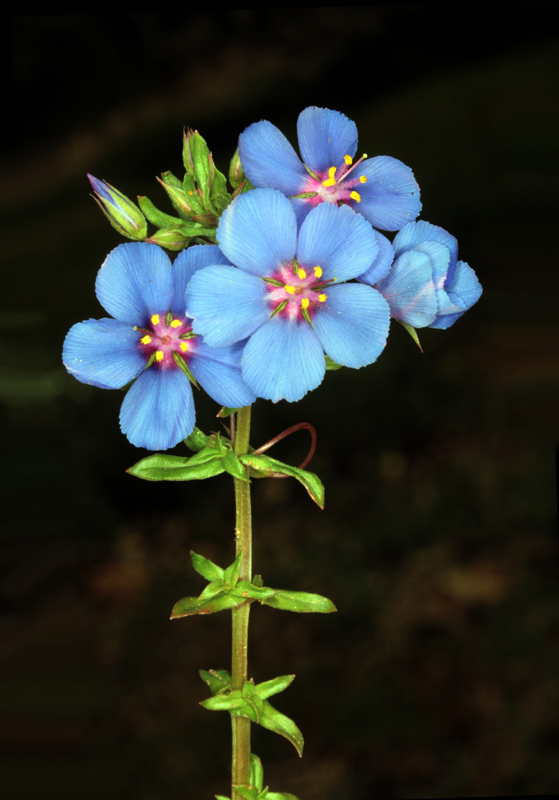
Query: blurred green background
column 438, row 676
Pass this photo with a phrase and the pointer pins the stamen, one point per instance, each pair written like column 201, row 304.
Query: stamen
column 176, row 323
column 183, row 347
column 363, row 179
column 158, row 353
column 355, row 196
column 348, row 160
column 301, row 274
column 331, row 181
column 322, row 298
column 318, row 272
column 289, row 289
column 305, row 302
column 145, row 339
column 155, row 319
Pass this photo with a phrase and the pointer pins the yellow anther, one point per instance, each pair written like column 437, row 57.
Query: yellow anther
column 155, row 319
column 289, row 289
column 331, row 180
column 348, row 160
column 305, row 302
column 321, row 298
column 301, row 274
column 184, row 347
column 363, row 179
column 176, row 323
column 355, row 196
column 318, row 272
column 145, row 339
column 159, row 354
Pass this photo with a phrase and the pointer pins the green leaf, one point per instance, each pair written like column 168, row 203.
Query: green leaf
column 280, row 796
column 231, row 574
column 213, row 589
column 302, row 602
column 161, row 467
column 206, row 568
column 234, row 467
column 262, row 466
column 256, row 772
column 206, row 455
column 272, row 719
column 231, row 701
column 197, row 440
column 219, row 680
column 188, row 606
column 248, row 589
column 274, row 686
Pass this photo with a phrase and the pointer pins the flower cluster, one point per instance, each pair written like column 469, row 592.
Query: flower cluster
column 300, row 277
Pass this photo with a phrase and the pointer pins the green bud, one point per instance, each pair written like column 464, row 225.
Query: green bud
column 170, row 238
column 122, row 213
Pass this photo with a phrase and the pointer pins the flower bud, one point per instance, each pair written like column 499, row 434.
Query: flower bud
column 169, row 238
column 122, row 213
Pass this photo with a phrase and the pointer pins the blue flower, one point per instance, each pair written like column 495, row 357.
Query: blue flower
column 150, row 339
column 382, row 189
column 426, row 285
column 287, row 293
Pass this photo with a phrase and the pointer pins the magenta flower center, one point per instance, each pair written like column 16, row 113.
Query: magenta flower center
column 296, row 292
column 336, row 184
column 167, row 334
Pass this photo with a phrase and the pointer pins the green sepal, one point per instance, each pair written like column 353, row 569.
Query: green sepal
column 206, row 568
column 183, row 366
column 412, row 332
column 262, row 466
column 245, row 186
column 157, row 217
column 176, row 194
column 226, row 412
column 161, row 467
column 331, row 364
column 189, row 606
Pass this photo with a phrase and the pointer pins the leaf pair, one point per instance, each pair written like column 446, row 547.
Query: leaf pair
column 225, row 590
column 255, row 789
column 251, row 702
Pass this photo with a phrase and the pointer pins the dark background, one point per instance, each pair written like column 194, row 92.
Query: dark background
column 438, row 675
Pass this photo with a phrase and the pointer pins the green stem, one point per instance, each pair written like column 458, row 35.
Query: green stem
column 243, row 536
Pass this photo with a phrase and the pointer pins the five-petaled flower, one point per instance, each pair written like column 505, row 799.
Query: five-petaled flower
column 287, row 293
column 426, row 285
column 150, row 339
column 382, row 189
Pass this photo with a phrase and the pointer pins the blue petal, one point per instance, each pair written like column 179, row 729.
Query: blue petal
column 390, row 197
column 325, row 137
column 135, row 281
column 352, row 324
column 409, row 289
column 258, row 231
column 283, row 360
column 380, row 266
column 158, row 410
column 269, row 160
column 103, row 352
column 218, row 371
column 226, row 304
column 464, row 291
column 415, row 233
column 338, row 240
column 186, row 264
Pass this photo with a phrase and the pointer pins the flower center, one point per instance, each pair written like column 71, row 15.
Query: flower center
column 336, row 185
column 167, row 341
column 296, row 292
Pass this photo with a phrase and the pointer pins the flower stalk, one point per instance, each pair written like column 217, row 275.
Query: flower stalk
column 240, row 615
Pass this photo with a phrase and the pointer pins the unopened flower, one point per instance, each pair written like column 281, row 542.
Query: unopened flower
column 382, row 189
column 122, row 213
column 287, row 293
column 150, row 339
column 426, row 285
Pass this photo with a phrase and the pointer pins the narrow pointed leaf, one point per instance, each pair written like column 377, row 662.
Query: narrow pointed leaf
column 206, row 568
column 262, row 466
column 272, row 719
column 161, row 467
column 225, row 702
column 256, row 772
column 213, row 589
column 248, row 589
column 188, row 606
column 302, row 602
column 231, row 574
column 218, row 680
column 274, row 686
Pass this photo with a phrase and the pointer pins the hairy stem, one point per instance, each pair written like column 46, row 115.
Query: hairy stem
column 243, row 537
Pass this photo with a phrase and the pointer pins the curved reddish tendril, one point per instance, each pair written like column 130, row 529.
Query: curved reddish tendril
column 280, row 436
